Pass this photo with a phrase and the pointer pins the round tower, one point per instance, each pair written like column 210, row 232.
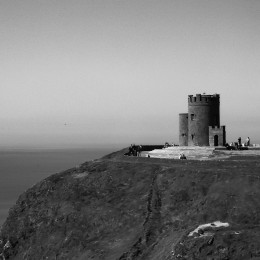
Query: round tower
column 203, row 111
column 183, row 129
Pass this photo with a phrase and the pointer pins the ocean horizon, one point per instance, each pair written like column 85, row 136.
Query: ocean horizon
column 21, row 168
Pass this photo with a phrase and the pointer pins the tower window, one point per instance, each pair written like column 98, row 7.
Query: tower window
column 192, row 117
column 192, row 136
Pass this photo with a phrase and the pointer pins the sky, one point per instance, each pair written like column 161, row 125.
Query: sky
column 84, row 73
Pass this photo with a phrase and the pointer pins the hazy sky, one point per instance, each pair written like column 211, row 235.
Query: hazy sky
column 116, row 72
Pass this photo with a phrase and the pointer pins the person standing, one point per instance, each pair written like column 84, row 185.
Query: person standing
column 239, row 143
column 247, row 141
column 131, row 150
column 139, row 150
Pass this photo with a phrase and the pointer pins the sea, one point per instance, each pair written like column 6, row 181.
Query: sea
column 20, row 169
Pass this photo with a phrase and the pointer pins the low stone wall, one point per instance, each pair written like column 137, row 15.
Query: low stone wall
column 151, row 147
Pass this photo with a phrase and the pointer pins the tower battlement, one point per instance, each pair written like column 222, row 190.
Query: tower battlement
column 217, row 128
column 203, row 99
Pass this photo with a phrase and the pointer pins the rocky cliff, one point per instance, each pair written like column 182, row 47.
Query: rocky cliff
column 122, row 207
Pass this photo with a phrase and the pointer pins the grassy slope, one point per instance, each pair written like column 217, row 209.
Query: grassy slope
column 139, row 208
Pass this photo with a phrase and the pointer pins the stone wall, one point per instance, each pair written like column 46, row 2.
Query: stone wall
column 183, row 129
column 217, row 136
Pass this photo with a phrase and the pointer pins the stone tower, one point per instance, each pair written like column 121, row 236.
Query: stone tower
column 183, row 129
column 201, row 125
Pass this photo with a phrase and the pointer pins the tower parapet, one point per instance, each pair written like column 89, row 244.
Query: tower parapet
column 203, row 99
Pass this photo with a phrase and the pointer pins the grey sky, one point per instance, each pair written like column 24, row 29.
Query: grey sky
column 116, row 72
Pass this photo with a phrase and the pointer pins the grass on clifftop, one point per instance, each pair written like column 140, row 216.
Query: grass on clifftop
column 121, row 207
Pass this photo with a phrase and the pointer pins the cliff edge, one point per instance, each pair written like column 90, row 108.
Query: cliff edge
column 120, row 207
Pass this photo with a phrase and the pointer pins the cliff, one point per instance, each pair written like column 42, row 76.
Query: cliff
column 122, row 207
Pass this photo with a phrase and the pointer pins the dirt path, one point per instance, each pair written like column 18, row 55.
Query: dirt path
column 151, row 226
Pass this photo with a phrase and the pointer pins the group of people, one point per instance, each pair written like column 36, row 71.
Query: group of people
column 166, row 145
column 238, row 145
column 182, row 156
column 247, row 143
column 134, row 150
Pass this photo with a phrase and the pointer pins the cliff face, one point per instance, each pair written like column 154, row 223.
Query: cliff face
column 122, row 207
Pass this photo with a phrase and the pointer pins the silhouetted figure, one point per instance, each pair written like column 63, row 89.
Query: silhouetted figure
column 139, row 150
column 239, row 141
column 134, row 150
column 166, row 145
column 131, row 150
column 247, row 141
